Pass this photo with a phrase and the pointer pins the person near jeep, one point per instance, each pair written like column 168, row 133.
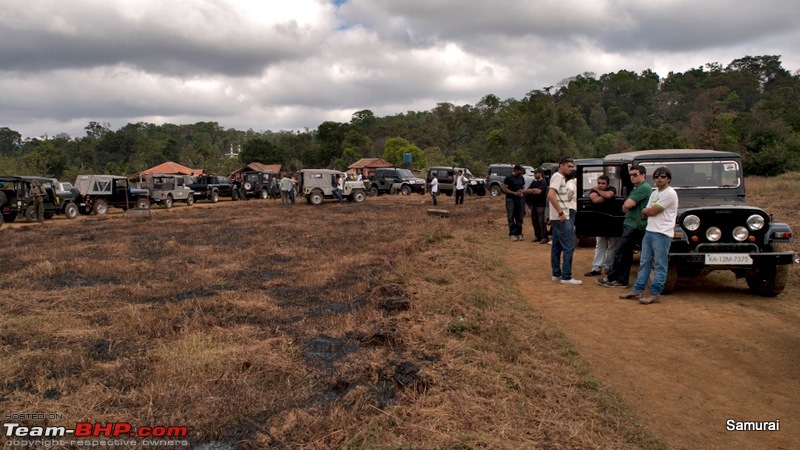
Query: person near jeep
column 461, row 185
column 632, row 230
column 537, row 202
column 38, row 193
column 337, row 191
column 514, row 188
column 661, row 213
column 604, row 248
column 434, row 189
column 286, row 185
column 292, row 188
column 561, row 223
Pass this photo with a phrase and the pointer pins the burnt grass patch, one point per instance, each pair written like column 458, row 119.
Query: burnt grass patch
column 260, row 326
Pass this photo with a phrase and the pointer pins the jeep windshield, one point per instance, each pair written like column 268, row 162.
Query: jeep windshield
column 711, row 174
column 405, row 174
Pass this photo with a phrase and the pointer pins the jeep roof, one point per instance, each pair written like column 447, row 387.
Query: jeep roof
column 96, row 184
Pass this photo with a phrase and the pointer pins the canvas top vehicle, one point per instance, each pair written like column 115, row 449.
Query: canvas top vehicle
column 99, row 192
column 318, row 184
column 715, row 230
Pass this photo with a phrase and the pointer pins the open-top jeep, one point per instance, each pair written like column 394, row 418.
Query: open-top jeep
column 318, row 184
column 99, row 192
column 715, row 228
column 16, row 198
column 166, row 189
column 392, row 180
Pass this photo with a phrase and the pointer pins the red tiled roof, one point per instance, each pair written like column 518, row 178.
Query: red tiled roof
column 170, row 167
column 370, row 163
column 258, row 167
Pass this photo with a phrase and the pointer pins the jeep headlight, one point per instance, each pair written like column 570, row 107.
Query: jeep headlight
column 412, row 182
column 755, row 222
column 740, row 233
column 691, row 222
column 713, row 234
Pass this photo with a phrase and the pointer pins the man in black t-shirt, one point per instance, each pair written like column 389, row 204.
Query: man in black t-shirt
column 514, row 188
column 537, row 202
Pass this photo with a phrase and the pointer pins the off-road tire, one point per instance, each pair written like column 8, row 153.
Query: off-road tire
column 392, row 190
column 100, row 207
column 358, row 196
column 214, row 197
column 769, row 281
column 316, row 197
column 263, row 195
column 30, row 214
column 247, row 185
column 495, row 191
column 71, row 210
column 235, row 195
column 190, row 200
column 3, row 199
column 405, row 189
column 142, row 203
column 168, row 202
column 373, row 191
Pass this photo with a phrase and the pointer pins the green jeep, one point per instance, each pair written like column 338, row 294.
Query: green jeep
column 15, row 198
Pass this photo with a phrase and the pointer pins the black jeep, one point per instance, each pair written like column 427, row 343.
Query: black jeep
column 16, row 198
column 210, row 187
column 257, row 184
column 715, row 228
column 393, row 180
column 99, row 192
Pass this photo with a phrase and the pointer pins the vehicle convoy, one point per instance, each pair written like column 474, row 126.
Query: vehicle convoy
column 318, row 184
column 99, row 192
column 715, row 228
column 16, row 198
column 209, row 187
column 166, row 189
column 497, row 174
column 447, row 180
column 256, row 184
column 392, row 180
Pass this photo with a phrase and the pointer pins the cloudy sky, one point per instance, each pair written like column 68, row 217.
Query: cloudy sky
column 287, row 65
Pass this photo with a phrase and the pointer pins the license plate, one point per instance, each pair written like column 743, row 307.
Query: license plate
column 728, row 259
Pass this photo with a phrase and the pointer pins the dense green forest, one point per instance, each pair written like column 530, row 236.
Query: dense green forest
column 751, row 106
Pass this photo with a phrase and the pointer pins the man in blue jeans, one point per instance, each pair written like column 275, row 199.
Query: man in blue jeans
column 661, row 213
column 561, row 223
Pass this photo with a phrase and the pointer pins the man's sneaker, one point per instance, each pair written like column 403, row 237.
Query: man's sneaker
column 652, row 298
column 604, row 282
column 631, row 295
column 512, row 238
column 519, row 237
column 544, row 241
column 571, row 281
column 593, row 273
column 555, row 278
column 618, row 284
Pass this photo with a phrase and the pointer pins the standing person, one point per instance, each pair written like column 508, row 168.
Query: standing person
column 561, row 223
column 537, row 202
column 285, row 185
column 604, row 248
column 434, row 189
column 632, row 230
column 661, row 213
column 461, row 184
column 337, row 191
column 38, row 194
column 514, row 187
column 293, row 188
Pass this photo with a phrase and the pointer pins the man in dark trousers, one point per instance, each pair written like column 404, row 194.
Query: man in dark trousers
column 38, row 193
column 514, row 188
column 537, row 202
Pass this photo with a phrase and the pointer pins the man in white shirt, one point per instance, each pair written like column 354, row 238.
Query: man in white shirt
column 434, row 188
column 561, row 223
column 461, row 185
column 661, row 213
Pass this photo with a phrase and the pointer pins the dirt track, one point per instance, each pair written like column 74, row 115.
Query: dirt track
column 707, row 353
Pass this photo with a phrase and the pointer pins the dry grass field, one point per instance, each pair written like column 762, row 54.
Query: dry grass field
column 366, row 325
column 254, row 325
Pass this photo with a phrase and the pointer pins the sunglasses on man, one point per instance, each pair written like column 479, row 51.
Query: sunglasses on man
column 663, row 175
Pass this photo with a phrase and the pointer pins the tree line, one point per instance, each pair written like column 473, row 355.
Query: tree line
column 751, row 106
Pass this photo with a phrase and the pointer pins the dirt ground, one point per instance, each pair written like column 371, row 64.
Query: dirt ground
column 709, row 352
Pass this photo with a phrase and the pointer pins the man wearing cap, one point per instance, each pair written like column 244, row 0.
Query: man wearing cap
column 514, row 188
column 536, row 199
